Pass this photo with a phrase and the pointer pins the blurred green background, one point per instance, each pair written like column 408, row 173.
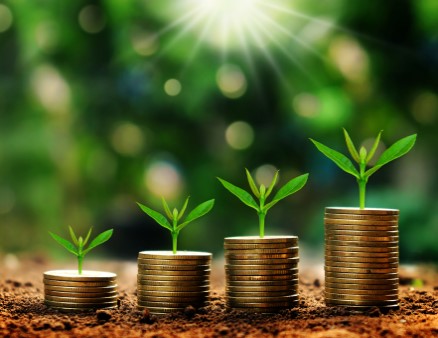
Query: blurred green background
column 104, row 103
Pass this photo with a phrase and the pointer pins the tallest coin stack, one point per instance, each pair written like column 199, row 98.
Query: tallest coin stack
column 361, row 257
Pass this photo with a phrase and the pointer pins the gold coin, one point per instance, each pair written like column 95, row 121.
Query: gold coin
column 160, row 310
column 173, row 294
column 247, row 295
column 361, row 233
column 178, row 262
column 70, row 299
column 362, row 217
column 259, row 240
column 266, row 306
column 180, row 255
column 86, row 276
column 175, row 283
column 81, row 289
column 261, row 278
column 357, row 211
column 356, row 245
column 362, row 265
column 179, row 305
column 359, row 270
column 293, row 253
column 80, row 294
column 346, row 302
column 362, row 239
column 352, row 227
column 148, row 267
column 77, row 284
column 359, row 254
column 378, row 297
column 293, row 260
column 361, row 275
column 365, row 282
column 178, row 300
column 344, row 259
column 263, row 310
column 289, row 250
column 359, row 292
column 260, row 272
column 255, row 246
column 180, row 280
column 173, row 288
column 353, row 248
column 261, row 266
column 178, row 273
column 80, row 305
column 259, row 299
column 262, row 283
column 261, row 289
column 329, row 221
column 334, row 283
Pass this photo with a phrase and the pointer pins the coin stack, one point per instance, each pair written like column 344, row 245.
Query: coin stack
column 261, row 273
column 361, row 257
column 67, row 291
column 168, row 282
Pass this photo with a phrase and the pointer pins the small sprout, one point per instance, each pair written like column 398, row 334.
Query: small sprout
column 262, row 194
column 363, row 157
column 175, row 216
column 77, row 248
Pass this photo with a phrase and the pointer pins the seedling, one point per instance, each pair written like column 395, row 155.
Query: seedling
column 363, row 157
column 77, row 248
column 175, row 216
column 262, row 194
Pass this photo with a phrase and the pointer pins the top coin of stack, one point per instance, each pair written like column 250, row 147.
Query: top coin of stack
column 261, row 273
column 168, row 282
column 68, row 291
column 361, row 257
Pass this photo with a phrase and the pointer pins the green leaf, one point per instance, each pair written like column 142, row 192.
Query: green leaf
column 252, row 184
column 363, row 155
column 199, row 211
column 88, row 236
column 245, row 197
column 98, row 240
column 341, row 160
column 398, row 149
column 166, row 208
column 159, row 218
column 272, row 185
column 66, row 244
column 73, row 235
column 374, row 148
column 351, row 147
column 181, row 213
column 288, row 189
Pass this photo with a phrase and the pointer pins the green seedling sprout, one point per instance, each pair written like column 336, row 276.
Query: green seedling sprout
column 363, row 157
column 175, row 217
column 77, row 248
column 262, row 194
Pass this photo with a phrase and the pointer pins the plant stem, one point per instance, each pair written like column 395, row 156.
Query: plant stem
column 174, row 241
column 362, row 190
column 262, row 224
column 80, row 260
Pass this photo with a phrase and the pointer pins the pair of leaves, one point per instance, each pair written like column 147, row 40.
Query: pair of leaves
column 398, row 149
column 196, row 213
column 78, row 245
column 288, row 189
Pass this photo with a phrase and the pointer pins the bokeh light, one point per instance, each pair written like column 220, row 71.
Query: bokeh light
column 306, row 105
column 6, row 18
column 239, row 135
column 264, row 174
column 425, row 108
column 91, row 19
column 163, row 179
column 231, row 81
column 144, row 43
column 127, row 139
column 172, row 87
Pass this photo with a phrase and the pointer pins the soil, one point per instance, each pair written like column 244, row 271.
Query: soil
column 23, row 313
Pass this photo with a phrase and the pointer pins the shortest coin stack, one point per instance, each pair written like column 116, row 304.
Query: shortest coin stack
column 68, row 291
column 361, row 257
column 261, row 273
column 168, row 282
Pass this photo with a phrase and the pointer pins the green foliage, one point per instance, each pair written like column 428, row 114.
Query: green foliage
column 363, row 157
column 77, row 248
column 175, row 216
column 262, row 194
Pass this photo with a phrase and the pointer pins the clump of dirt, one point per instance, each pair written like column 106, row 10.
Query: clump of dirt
column 23, row 313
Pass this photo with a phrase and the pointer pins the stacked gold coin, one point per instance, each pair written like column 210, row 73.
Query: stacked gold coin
column 168, row 282
column 68, row 291
column 261, row 273
column 361, row 257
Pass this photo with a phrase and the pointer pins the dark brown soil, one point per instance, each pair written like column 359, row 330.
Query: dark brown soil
column 23, row 313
